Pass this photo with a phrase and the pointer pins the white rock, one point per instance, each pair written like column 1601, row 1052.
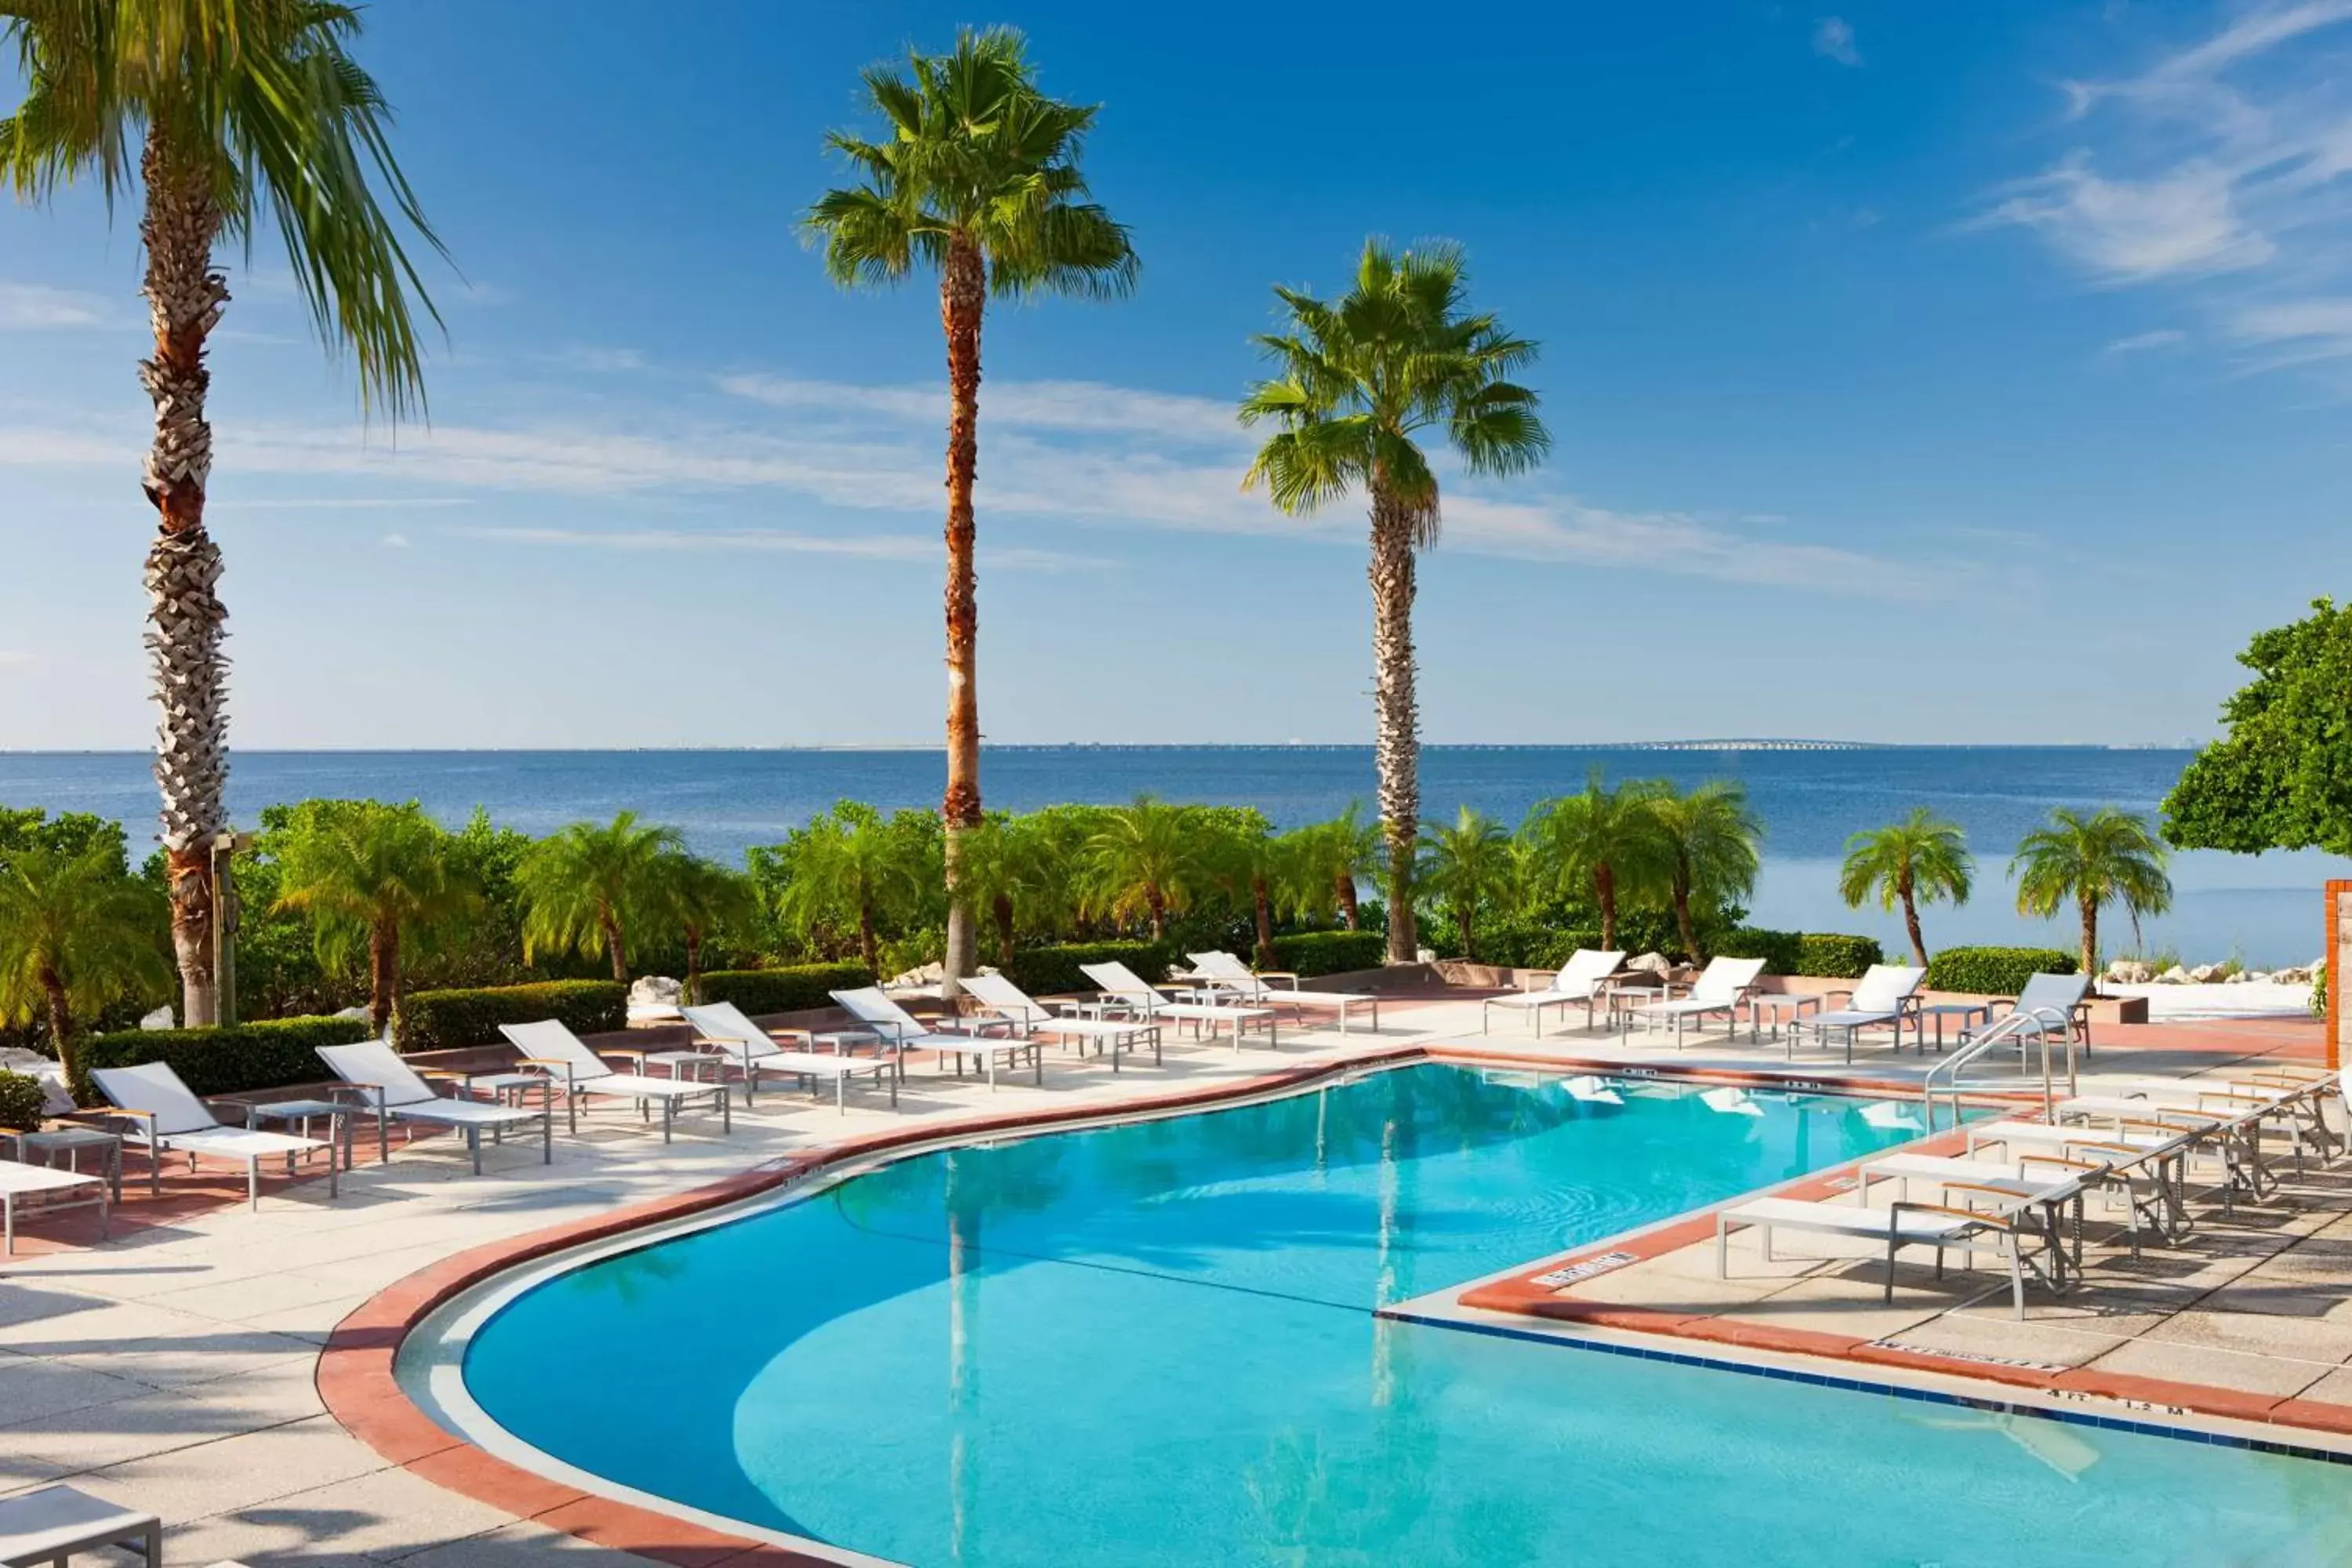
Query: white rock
column 2129, row 972
column 1651, row 964
column 160, row 1018
column 352, row 1013
column 654, row 988
column 2206, row 974
column 928, row 975
column 2176, row 975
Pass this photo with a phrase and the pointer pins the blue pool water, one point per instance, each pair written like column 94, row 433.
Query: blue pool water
column 1155, row 1344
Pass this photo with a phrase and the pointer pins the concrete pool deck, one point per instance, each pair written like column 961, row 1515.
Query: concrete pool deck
column 179, row 1368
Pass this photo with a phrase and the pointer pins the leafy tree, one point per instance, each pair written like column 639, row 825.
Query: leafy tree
column 1322, row 861
column 371, row 876
column 77, row 931
column 68, row 833
column 2281, row 777
column 976, row 178
column 2105, row 857
column 1145, row 861
column 1604, row 842
column 1356, row 381
column 1711, row 837
column 1245, row 860
column 584, row 888
column 850, row 867
column 1921, row 860
column 228, row 111
column 697, row 896
column 1470, row 866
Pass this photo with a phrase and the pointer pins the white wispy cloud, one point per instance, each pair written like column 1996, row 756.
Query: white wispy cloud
column 14, row 658
column 395, row 542
column 1833, row 40
column 1069, row 405
column 916, row 549
column 2140, row 342
column 31, row 306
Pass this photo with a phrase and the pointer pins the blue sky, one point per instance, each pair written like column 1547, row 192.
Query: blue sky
column 1918, row 370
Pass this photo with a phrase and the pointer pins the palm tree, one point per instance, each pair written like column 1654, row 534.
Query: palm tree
column 1356, row 380
column 231, row 111
column 1471, row 864
column 1711, row 837
column 1921, row 860
column 1322, row 861
column 76, row 933
column 2108, row 857
column 1245, row 860
column 1145, row 861
column 699, row 896
column 370, row 873
column 584, row 888
column 995, row 873
column 976, row 178
column 1603, row 843
column 849, row 866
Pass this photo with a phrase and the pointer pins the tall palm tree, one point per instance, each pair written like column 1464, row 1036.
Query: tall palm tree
column 849, row 866
column 697, row 896
column 1147, row 859
column 1605, row 843
column 1471, row 865
column 371, row 875
column 585, row 888
column 1711, row 837
column 2106, row 856
column 1921, row 860
column 976, row 178
column 230, row 112
column 1356, row 381
column 76, row 933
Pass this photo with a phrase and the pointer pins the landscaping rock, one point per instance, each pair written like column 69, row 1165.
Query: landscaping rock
column 2129, row 972
column 2206, row 974
column 352, row 1013
column 648, row 990
column 160, row 1018
column 1652, row 963
column 2176, row 975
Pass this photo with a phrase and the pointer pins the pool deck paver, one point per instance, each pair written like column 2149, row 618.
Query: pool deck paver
column 180, row 1367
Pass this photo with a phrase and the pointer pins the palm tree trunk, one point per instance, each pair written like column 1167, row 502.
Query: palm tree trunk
column 1604, row 894
column 963, row 292
column 1396, row 710
column 1262, row 912
column 614, row 946
column 1465, row 916
column 52, row 987
column 693, row 987
column 2090, row 908
column 1911, row 927
column 185, row 618
column 868, row 947
column 384, row 973
column 1683, row 922
column 1157, row 902
column 1344, row 885
column 1002, row 909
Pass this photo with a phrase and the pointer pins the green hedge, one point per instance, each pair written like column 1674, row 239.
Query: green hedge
column 233, row 1057
column 1055, row 971
column 446, row 1020
column 21, row 1097
column 1312, row 952
column 759, row 992
column 1783, row 951
column 1835, row 957
column 1995, row 970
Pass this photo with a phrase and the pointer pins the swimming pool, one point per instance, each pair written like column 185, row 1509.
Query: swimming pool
column 1156, row 1343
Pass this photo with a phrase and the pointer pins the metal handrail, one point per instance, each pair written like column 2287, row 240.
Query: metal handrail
column 2040, row 1019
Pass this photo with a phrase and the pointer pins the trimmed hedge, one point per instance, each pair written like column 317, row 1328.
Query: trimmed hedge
column 788, row 990
column 1835, row 957
column 1783, row 951
column 447, row 1020
column 232, row 1058
column 1995, row 970
column 1313, row 952
column 21, row 1098
column 1055, row 971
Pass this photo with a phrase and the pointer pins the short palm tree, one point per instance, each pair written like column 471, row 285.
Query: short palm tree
column 977, row 179
column 1921, row 860
column 697, row 896
column 1711, row 837
column 1605, row 843
column 585, row 888
column 1245, row 860
column 996, row 870
column 849, row 867
column 1322, row 861
column 370, row 875
column 76, row 933
column 232, row 113
column 1356, row 381
column 2105, row 857
column 1145, row 861
column 1470, row 865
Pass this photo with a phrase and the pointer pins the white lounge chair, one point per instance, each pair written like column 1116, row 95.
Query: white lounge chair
column 1578, row 980
column 1885, row 996
column 1124, row 990
column 53, row 1523
column 2050, row 1007
column 1224, row 971
column 385, row 1084
column 751, row 1050
column 551, row 1047
column 902, row 1031
column 1722, row 987
column 1029, row 1016
column 51, row 1187
column 162, row 1113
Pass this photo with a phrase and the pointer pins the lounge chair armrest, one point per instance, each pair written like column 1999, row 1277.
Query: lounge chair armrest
column 442, row 1075
column 1844, row 990
column 99, row 1116
column 2001, row 1002
column 1988, row 1187
column 1991, row 1221
column 627, row 1053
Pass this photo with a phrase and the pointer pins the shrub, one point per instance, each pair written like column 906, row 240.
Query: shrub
column 1995, row 970
column 1837, row 957
column 446, row 1020
column 1781, row 950
column 21, row 1097
column 763, row 990
column 233, row 1057
column 2319, row 992
column 1055, row 971
column 1312, row 952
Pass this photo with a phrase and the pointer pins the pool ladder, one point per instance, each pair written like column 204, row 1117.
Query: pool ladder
column 2009, row 1031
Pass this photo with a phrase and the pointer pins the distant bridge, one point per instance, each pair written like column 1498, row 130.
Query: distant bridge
column 1751, row 745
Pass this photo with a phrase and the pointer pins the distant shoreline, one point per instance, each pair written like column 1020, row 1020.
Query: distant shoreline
column 1727, row 746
